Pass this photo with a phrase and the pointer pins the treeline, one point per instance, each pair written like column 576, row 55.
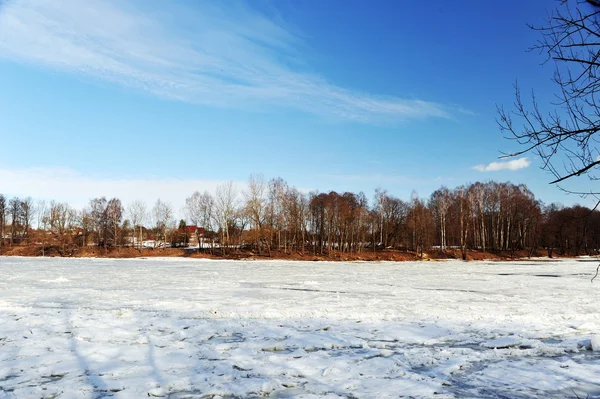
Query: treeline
column 271, row 215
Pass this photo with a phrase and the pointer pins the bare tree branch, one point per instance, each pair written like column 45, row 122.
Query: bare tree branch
column 566, row 139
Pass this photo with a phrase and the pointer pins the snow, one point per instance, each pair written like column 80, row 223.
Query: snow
column 501, row 343
column 595, row 343
column 188, row 328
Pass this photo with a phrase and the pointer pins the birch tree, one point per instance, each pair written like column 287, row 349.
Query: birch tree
column 225, row 209
column 199, row 208
column 3, row 212
column 256, row 207
column 162, row 213
column 138, row 214
column 114, row 215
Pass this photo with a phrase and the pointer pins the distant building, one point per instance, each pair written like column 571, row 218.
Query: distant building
column 192, row 233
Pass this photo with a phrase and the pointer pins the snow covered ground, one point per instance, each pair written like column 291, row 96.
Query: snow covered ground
column 91, row 328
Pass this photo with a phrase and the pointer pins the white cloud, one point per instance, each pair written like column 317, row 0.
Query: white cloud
column 207, row 55
column 514, row 164
column 66, row 185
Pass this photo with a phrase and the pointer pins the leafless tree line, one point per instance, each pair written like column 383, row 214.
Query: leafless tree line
column 270, row 215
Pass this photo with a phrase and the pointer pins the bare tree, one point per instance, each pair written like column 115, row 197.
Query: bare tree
column 464, row 217
column 199, row 208
column 138, row 214
column 566, row 138
column 439, row 203
column 380, row 198
column 295, row 211
column 225, row 209
column 421, row 223
column 193, row 208
column 256, row 208
column 162, row 212
column 3, row 212
column 15, row 212
column 490, row 216
column 277, row 189
column 114, row 215
column 86, row 225
column 99, row 219
column 60, row 217
column 27, row 214
column 42, row 223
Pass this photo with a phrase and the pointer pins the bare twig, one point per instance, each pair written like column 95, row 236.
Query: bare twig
column 596, row 275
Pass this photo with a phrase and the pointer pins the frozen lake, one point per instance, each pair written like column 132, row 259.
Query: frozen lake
column 92, row 328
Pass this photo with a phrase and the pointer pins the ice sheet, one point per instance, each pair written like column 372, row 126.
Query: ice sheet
column 183, row 328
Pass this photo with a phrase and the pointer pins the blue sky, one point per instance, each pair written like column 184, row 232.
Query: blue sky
column 152, row 99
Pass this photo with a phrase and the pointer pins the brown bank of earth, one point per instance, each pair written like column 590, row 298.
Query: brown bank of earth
column 366, row 255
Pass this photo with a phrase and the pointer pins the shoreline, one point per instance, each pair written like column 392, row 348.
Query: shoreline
column 381, row 255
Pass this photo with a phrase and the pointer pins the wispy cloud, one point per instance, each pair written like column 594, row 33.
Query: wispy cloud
column 514, row 164
column 221, row 54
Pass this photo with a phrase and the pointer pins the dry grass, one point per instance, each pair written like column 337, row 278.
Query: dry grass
column 366, row 255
